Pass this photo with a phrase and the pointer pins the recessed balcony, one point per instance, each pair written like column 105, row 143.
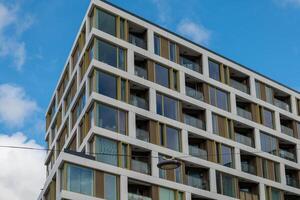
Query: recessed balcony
column 190, row 59
column 140, row 160
column 287, row 150
column 142, row 129
column 137, row 35
column 282, row 100
column 239, row 80
column 248, row 190
column 196, row 176
column 292, row 177
column 244, row 108
column 248, row 163
column 287, row 126
column 139, row 190
column 193, row 116
column 140, row 66
column 244, row 134
column 139, row 96
column 197, row 146
column 194, row 88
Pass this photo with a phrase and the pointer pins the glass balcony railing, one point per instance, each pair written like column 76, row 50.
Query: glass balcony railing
column 137, row 41
column 281, row 104
column 244, row 113
column 141, row 72
column 292, row 182
column 189, row 64
column 246, row 167
column 196, row 181
column 132, row 196
column 140, row 166
column 239, row 86
column 287, row 130
column 248, row 196
column 193, row 121
column 243, row 139
column 142, row 134
column 197, row 152
column 194, row 93
column 138, row 102
column 287, row 155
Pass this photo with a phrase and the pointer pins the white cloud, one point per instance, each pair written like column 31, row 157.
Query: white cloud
column 163, row 10
column 15, row 105
column 12, row 24
column 285, row 3
column 22, row 172
column 194, row 31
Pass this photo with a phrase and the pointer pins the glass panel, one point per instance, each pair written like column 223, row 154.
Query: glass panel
column 107, row 53
column 227, row 159
column 214, row 70
column 173, row 138
column 228, row 185
column 106, row 89
column 269, row 94
column 107, row 117
column 123, row 90
column 222, row 100
column 268, row 143
column 275, row 194
column 156, row 45
column 110, row 187
column 106, row 22
column 122, row 122
column 80, row 180
column 172, row 48
column 162, row 75
column 106, row 151
column 215, row 124
column 162, row 173
column 175, row 85
column 268, row 118
column 122, row 28
column 166, row 194
column 124, row 155
column 212, row 96
column 159, row 104
column 122, row 59
column 258, row 92
column 170, row 108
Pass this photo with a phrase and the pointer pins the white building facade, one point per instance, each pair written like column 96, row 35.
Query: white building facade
column 132, row 94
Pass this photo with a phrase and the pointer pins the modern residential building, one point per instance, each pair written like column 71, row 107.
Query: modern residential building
column 133, row 94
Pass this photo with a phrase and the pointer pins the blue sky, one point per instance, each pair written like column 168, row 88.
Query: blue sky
column 36, row 37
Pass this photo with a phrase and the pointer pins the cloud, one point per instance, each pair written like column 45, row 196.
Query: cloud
column 194, row 31
column 22, row 172
column 163, row 10
column 15, row 105
column 284, row 3
column 13, row 24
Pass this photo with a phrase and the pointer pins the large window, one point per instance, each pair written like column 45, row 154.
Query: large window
column 218, row 98
column 111, row 55
column 79, row 179
column 226, row 184
column 225, row 155
column 267, row 118
column 162, row 75
column 268, row 143
column 106, row 150
column 106, row 22
column 110, row 187
column 156, row 44
column 172, row 51
column 107, row 84
column 167, row 106
column 112, row 118
column 214, row 70
column 169, row 137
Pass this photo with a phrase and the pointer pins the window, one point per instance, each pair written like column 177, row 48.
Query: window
column 78, row 107
column 112, row 118
column 225, row 156
column 162, row 75
column 167, row 106
column 169, row 137
column 105, row 149
column 106, row 22
column 107, row 84
column 226, row 184
column 166, row 194
column 273, row 193
column 222, row 126
column 111, row 55
column 218, row 98
column 156, row 44
column 79, row 179
column 268, row 143
column 172, row 50
column 267, row 118
column 214, row 70
column 110, row 187
column 271, row 170
column 258, row 91
column 269, row 94
column 122, row 28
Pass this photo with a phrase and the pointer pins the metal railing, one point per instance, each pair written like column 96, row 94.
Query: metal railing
column 137, row 41
column 132, row 196
column 248, row 196
column 281, row 104
column 197, row 152
column 287, row 155
column 194, row 93
column 138, row 101
column 141, row 72
column 243, row 139
column 292, row 182
column 196, row 182
column 239, row 86
column 140, row 166
column 246, row 167
column 189, row 64
column 193, row 121
column 287, row 130
column 142, row 134
column 244, row 113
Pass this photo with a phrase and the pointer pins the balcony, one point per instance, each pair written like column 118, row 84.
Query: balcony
column 139, row 102
column 287, row 130
column 138, row 95
column 239, row 86
column 197, row 152
column 196, row 94
column 132, row 196
column 287, row 155
column 243, row 139
column 248, row 168
column 190, row 64
column 244, row 113
column 137, row 41
column 281, row 104
column 197, row 182
column 291, row 181
column 193, row 121
column 142, row 134
column 248, row 196
column 140, row 166
column 141, row 72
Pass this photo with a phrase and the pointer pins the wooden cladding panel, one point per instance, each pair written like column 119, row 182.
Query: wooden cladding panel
column 259, row 169
column 99, row 182
column 164, row 47
column 155, row 192
column 211, row 151
column 150, row 66
column 153, row 130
